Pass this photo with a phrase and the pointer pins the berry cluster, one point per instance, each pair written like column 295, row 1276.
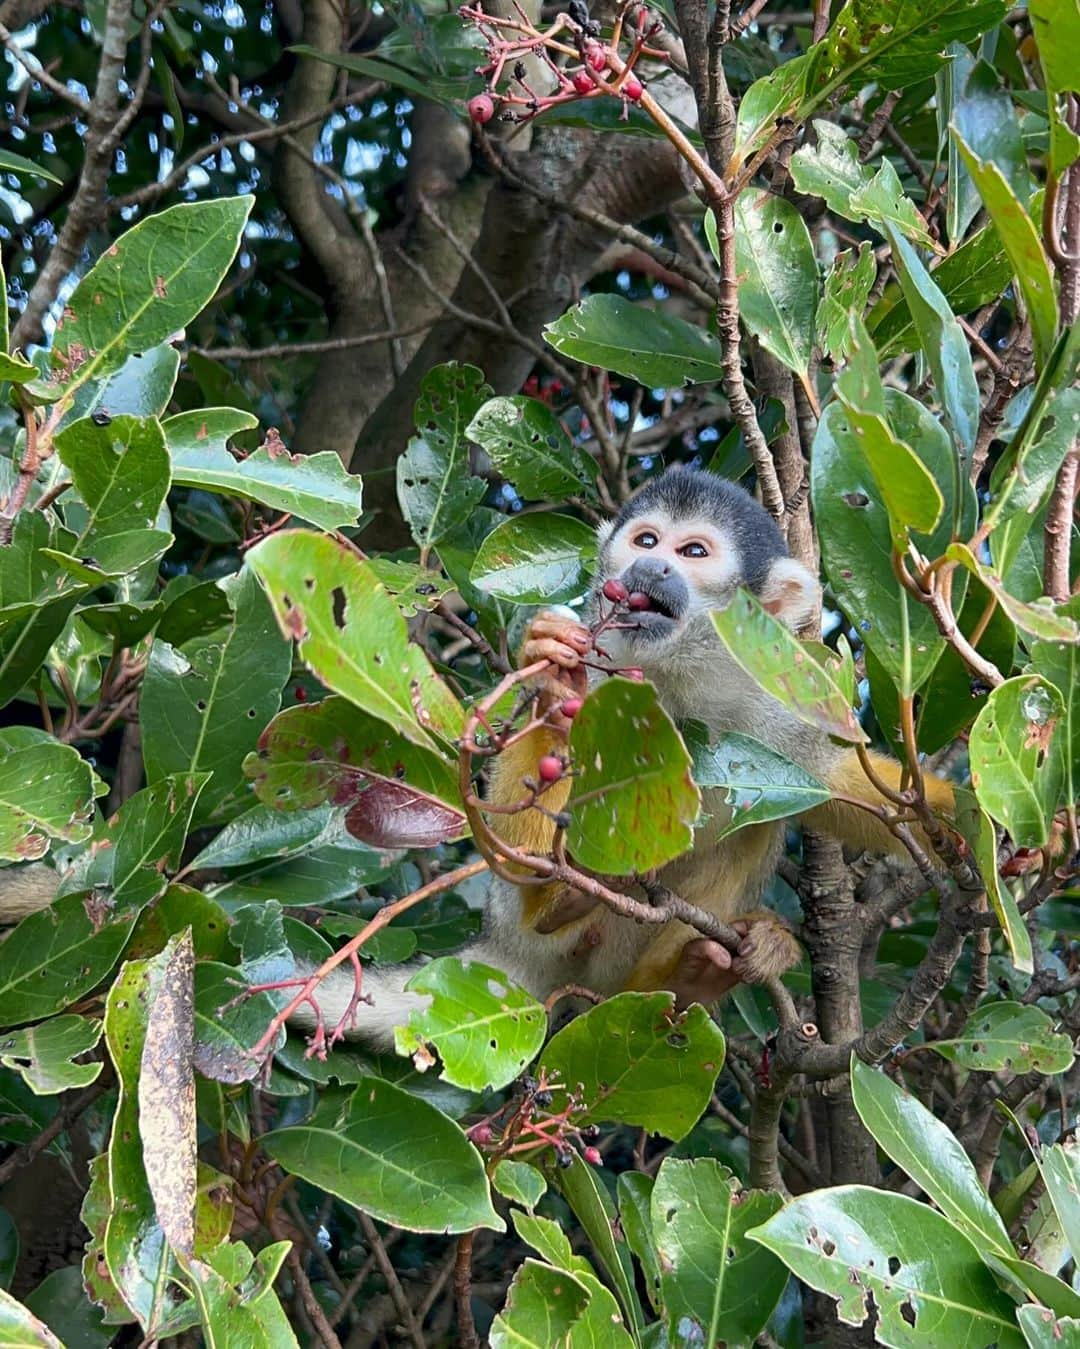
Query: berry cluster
column 570, row 51
column 527, row 1123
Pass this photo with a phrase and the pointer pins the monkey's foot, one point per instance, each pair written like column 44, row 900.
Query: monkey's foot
column 769, row 948
column 563, row 642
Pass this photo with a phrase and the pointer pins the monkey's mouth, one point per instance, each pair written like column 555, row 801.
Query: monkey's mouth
column 653, row 611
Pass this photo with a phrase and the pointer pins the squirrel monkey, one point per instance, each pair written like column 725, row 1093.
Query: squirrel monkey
column 687, row 540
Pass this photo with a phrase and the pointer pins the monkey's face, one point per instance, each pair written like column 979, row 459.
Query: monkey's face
column 675, row 569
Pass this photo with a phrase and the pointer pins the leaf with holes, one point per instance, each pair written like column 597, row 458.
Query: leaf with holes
column 528, row 445
column 44, row 1054
column 393, row 1156
column 46, row 792
column 313, row 487
column 831, row 169
column 1016, row 749
column 544, row 1306
column 929, row 1153
column 1009, row 1035
column 351, row 634
column 866, row 1247
column 486, row 1029
column 435, row 488
column 716, row 1284
column 416, row 589
column 633, row 803
column 847, row 287
column 638, row 1062
column 943, row 343
column 654, row 348
column 535, row 559
column 204, row 704
column 779, row 663
column 146, row 286
column 755, row 782
column 400, row 795
column 778, row 276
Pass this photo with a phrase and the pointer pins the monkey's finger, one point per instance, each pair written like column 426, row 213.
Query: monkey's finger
column 550, row 648
column 565, row 630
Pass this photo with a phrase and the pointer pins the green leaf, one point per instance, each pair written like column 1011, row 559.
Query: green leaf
column 856, row 540
column 43, row 1054
column 350, row 633
column 717, row 1285
column 634, row 1190
column 56, row 955
column 770, row 98
column 46, row 792
column 25, row 168
column 486, row 1029
column 912, row 499
column 1060, row 1167
column 148, row 834
column 652, row 347
column 831, row 169
column 204, row 705
column 777, row 661
column 121, row 472
column 1009, row 1035
column 633, row 802
column 978, row 829
column 1059, row 664
column 528, row 445
column 929, row 1153
column 1056, row 25
column 1040, row 618
column 149, row 284
column 62, row 1302
column 852, row 1242
column 395, row 1157
column 1043, row 1330
column 1023, row 245
column 1016, row 757
column 18, row 1325
column 758, row 783
column 847, row 288
column 535, row 559
column 399, row 795
column 1024, row 476
column 236, row 1297
column 142, row 387
column 543, row 1307
column 415, row 588
column 632, row 1060
column 778, row 277
column 943, row 342
column 594, row 1210
column 15, row 370
column 520, row 1182
column 971, row 276
column 228, row 1026
column 313, row 487
column 436, row 490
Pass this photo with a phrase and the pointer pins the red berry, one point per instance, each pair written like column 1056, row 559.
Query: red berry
column 481, row 1133
column 615, row 591
column 550, row 768
column 595, row 56
column 481, row 108
column 582, row 83
column 639, row 600
column 632, row 672
column 571, row 707
column 592, row 1156
column 633, row 88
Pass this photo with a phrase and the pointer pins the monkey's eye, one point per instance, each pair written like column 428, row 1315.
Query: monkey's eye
column 646, row 539
column 693, row 550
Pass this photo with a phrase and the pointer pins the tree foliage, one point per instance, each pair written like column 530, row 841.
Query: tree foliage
column 326, row 347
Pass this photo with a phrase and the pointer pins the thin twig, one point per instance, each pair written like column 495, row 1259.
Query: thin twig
column 393, row 1283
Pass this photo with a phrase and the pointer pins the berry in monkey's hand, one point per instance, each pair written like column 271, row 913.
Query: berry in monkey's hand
column 481, row 108
column 571, row 707
column 582, row 83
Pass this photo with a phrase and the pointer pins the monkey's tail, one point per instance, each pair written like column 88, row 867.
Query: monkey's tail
column 26, row 889
column 860, row 828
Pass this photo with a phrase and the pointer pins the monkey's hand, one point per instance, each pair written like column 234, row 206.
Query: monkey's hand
column 564, row 642
column 707, row 971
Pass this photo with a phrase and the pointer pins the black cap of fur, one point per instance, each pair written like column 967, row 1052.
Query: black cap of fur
column 695, row 494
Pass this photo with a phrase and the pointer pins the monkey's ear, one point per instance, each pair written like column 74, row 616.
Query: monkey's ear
column 603, row 532
column 791, row 593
